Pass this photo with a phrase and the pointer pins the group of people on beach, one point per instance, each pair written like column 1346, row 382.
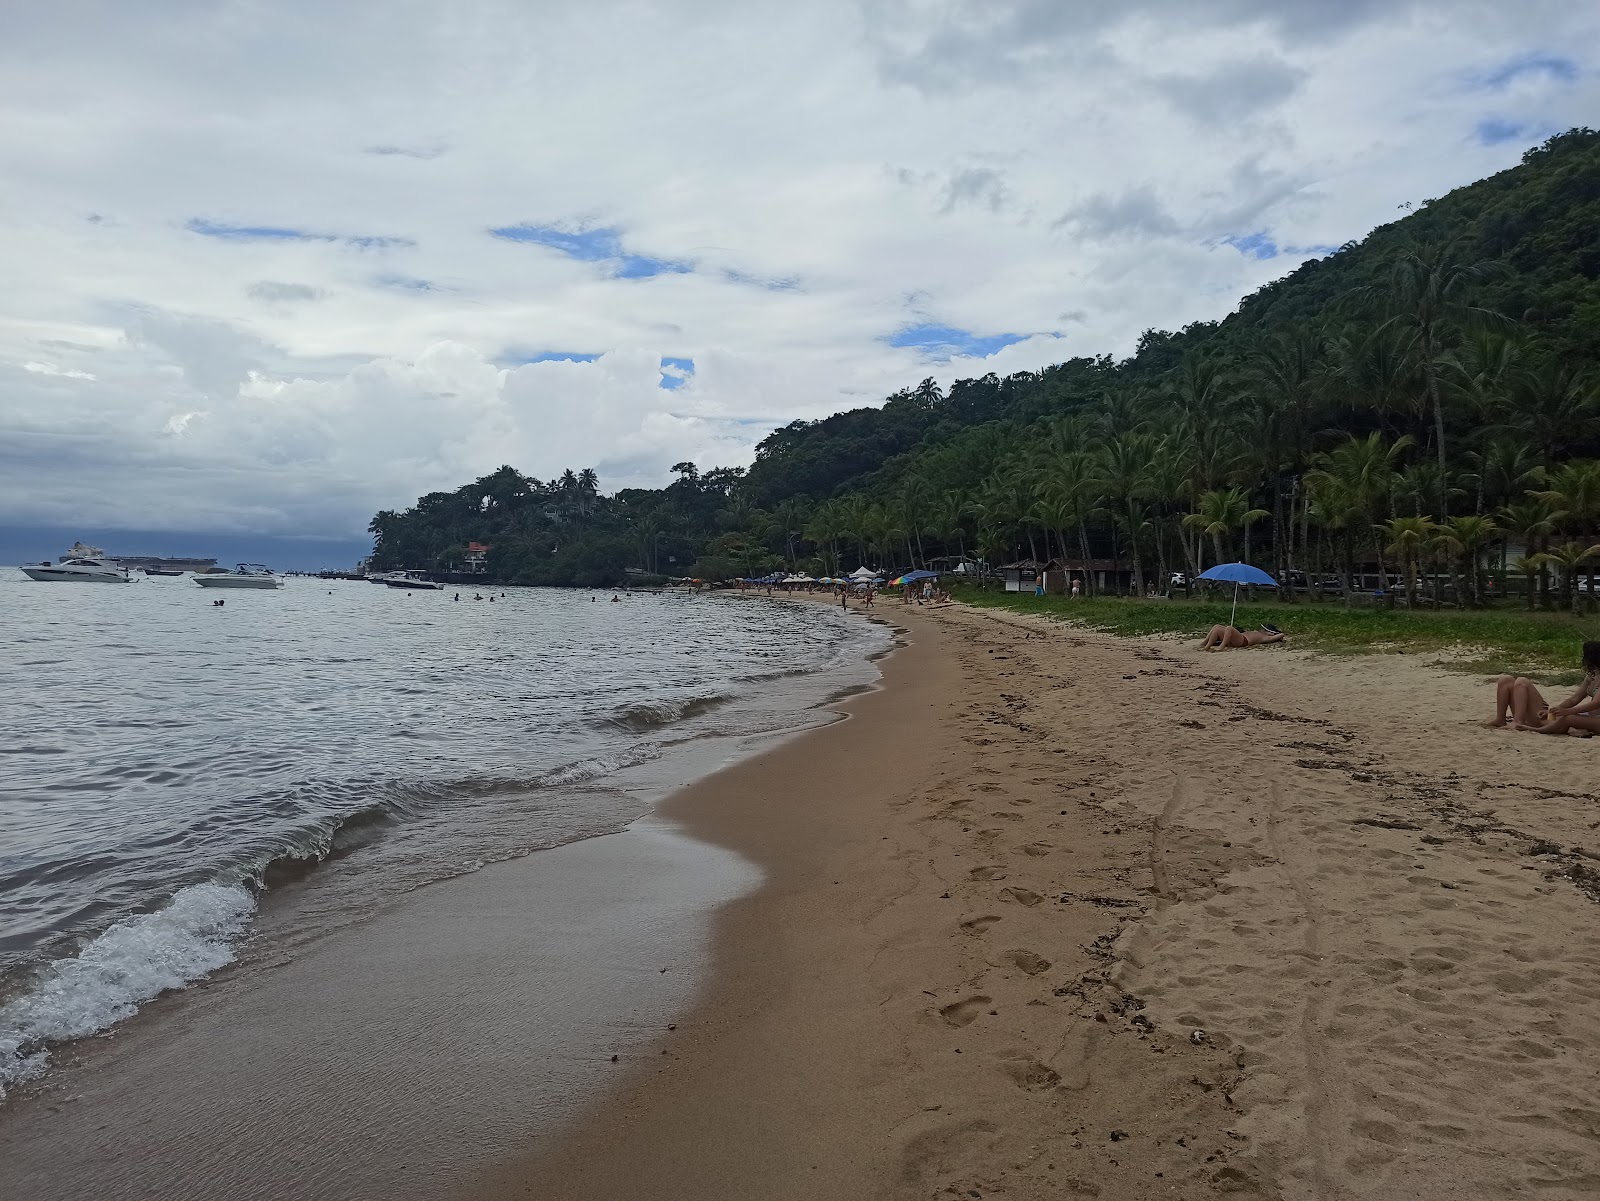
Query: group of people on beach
column 1517, row 700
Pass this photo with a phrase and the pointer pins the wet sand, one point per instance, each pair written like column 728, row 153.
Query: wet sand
column 388, row 1060
column 1062, row 915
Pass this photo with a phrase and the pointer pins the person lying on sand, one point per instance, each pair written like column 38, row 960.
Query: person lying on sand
column 1518, row 700
column 1222, row 638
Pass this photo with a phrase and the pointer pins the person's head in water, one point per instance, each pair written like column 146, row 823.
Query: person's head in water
column 1591, row 657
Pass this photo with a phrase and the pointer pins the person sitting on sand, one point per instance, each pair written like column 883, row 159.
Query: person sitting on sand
column 1222, row 638
column 1518, row 700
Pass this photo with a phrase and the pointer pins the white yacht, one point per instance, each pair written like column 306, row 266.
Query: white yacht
column 249, row 575
column 411, row 579
column 80, row 569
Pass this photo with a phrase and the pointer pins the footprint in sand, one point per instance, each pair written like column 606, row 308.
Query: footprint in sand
column 988, row 873
column 1027, row 961
column 977, row 925
column 1030, row 1073
column 1022, row 896
column 961, row 1013
column 1038, row 848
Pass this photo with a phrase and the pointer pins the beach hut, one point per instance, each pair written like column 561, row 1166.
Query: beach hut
column 1021, row 576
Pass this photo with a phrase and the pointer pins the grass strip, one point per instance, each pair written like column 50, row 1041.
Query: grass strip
column 1536, row 644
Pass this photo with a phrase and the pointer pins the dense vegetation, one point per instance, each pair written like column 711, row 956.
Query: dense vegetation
column 1422, row 402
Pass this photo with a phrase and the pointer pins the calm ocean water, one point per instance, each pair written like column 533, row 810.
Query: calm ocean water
column 167, row 768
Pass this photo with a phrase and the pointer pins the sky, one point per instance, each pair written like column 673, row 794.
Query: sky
column 274, row 265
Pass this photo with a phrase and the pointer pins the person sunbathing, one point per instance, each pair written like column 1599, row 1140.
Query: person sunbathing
column 1517, row 700
column 1222, row 638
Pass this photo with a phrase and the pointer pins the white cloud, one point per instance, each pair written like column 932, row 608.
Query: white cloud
column 834, row 172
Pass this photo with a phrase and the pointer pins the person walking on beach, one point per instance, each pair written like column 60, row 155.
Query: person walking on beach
column 1519, row 701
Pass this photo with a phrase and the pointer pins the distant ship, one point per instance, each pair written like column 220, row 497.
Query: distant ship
column 151, row 564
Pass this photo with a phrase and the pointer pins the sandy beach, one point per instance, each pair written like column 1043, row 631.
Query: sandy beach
column 1057, row 914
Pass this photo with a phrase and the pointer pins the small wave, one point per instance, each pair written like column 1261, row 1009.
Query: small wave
column 650, row 715
column 134, row 961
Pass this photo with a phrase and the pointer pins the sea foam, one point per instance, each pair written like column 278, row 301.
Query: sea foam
column 131, row 962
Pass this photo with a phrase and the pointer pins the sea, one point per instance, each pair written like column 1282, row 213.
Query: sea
column 169, row 767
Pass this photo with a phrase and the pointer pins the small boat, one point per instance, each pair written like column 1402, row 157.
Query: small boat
column 249, row 575
column 162, row 570
column 79, row 570
column 411, row 579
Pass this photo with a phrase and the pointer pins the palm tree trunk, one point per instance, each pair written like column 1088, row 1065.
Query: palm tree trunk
column 1083, row 546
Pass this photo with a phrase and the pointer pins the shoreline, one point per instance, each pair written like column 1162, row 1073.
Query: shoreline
column 385, row 1057
column 1125, row 920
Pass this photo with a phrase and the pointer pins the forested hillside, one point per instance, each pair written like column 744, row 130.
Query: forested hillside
column 1423, row 398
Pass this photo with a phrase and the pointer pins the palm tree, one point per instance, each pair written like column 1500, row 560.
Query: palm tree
column 1408, row 537
column 1555, row 404
column 1531, row 521
column 1430, row 291
column 1467, row 536
column 1532, row 569
column 823, row 531
column 1361, row 471
column 1124, row 475
column 1507, row 467
column 855, row 519
column 1219, row 513
column 1575, row 490
column 1570, row 558
column 948, row 517
column 915, row 498
column 1073, row 480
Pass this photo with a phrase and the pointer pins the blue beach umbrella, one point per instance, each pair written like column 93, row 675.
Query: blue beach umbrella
column 1236, row 574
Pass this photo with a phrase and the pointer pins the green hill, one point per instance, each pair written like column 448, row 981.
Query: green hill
column 1421, row 398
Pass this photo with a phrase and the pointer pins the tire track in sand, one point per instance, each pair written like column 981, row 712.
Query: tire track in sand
column 1318, row 1103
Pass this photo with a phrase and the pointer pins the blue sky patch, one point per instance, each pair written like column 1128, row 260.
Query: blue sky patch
column 1491, row 131
column 947, row 342
column 601, row 245
column 675, row 372
column 518, row 357
column 590, row 245
column 282, row 233
column 1254, row 246
column 1554, row 66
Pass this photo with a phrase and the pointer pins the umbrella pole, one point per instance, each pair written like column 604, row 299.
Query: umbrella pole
column 1233, row 618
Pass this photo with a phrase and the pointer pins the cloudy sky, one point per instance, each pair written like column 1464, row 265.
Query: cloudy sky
column 271, row 265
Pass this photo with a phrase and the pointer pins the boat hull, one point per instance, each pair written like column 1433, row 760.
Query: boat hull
column 424, row 585
column 237, row 581
column 56, row 575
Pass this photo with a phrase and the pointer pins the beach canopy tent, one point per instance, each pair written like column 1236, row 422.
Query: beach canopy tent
column 1236, row 574
column 863, row 573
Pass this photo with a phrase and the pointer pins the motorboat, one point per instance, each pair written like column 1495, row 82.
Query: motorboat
column 79, row 569
column 411, row 579
column 162, row 570
column 249, row 575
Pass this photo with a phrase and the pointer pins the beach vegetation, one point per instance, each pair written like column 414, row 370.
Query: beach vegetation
column 1412, row 419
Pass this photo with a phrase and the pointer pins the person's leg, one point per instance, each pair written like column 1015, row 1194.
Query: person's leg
column 1528, row 706
column 1503, row 691
column 1213, row 638
column 1234, row 638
